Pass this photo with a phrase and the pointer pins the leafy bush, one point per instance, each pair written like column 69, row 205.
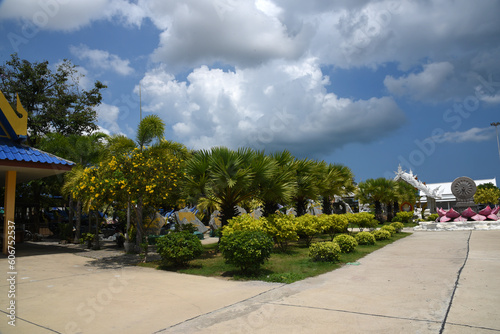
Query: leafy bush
column 346, row 243
column 244, row 223
column 247, row 250
column 432, row 217
column 381, row 234
column 178, row 247
column 308, row 226
column 333, row 224
column 389, row 228
column 365, row 238
column 397, row 226
column 282, row 228
column 363, row 220
column 404, row 217
column 325, row 251
column 190, row 228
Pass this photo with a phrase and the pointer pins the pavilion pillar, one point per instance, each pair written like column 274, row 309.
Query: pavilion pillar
column 9, row 205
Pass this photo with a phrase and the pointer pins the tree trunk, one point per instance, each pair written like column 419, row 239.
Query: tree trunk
column 96, row 237
column 378, row 212
column 227, row 211
column 140, row 231
column 301, row 206
column 270, row 208
column 327, row 205
column 389, row 212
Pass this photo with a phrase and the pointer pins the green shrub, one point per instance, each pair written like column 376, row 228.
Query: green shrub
column 432, row 217
column 389, row 228
column 333, row 224
column 308, row 226
column 325, row 251
column 381, row 234
column 363, row 220
column 404, row 217
column 346, row 243
column 282, row 228
column 178, row 248
column 365, row 238
column 189, row 227
column 244, row 223
column 247, row 250
column 397, row 226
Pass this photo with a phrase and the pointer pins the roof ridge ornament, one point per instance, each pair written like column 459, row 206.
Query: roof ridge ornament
column 14, row 124
column 412, row 179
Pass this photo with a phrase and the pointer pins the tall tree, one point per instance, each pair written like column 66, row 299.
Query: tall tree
column 376, row 191
column 54, row 100
column 306, row 178
column 334, row 180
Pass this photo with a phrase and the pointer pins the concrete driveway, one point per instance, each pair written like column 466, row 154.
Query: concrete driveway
column 429, row 282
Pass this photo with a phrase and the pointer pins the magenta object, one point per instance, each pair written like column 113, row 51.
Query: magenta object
column 441, row 212
column 486, row 211
column 452, row 214
column 467, row 213
column 460, row 219
column 444, row 219
column 495, row 210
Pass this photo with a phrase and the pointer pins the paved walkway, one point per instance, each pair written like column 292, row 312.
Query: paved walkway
column 429, row 282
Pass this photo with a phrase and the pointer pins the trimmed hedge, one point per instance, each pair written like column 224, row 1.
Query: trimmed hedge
column 365, row 238
column 346, row 243
column 179, row 247
column 381, row 234
column 325, row 251
column 247, row 250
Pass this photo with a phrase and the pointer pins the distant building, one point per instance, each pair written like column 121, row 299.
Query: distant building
column 448, row 200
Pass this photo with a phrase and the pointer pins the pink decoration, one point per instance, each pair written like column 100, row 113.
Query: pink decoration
column 444, row 219
column 460, row 219
column 493, row 217
column 478, row 218
column 467, row 213
column 441, row 212
column 495, row 210
column 452, row 214
column 486, row 211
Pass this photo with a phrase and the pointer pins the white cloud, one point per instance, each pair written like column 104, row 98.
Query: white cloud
column 102, row 59
column 428, row 84
column 232, row 32
column 70, row 15
column 108, row 117
column 275, row 106
column 471, row 135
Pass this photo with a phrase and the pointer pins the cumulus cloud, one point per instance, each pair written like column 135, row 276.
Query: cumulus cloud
column 102, row 59
column 70, row 15
column 241, row 33
column 108, row 117
column 282, row 105
column 471, row 135
column 428, row 84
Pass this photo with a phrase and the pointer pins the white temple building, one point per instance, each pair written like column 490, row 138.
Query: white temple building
column 447, row 200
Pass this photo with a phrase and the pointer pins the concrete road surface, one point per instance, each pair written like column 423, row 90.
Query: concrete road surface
column 429, row 282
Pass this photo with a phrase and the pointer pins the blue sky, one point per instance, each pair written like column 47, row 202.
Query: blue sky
column 368, row 84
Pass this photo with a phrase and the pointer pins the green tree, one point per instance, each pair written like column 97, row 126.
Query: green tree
column 335, row 180
column 226, row 177
column 487, row 195
column 376, row 191
column 306, row 178
column 54, row 100
column 279, row 186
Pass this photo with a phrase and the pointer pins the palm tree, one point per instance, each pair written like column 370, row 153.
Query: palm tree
column 280, row 186
column 334, row 180
column 306, row 178
column 376, row 191
column 226, row 177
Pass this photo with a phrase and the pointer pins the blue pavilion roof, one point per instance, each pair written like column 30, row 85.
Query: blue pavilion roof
column 12, row 151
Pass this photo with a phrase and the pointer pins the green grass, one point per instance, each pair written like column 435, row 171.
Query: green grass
column 289, row 267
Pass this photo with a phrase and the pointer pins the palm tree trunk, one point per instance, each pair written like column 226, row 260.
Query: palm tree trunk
column 301, row 206
column 270, row 208
column 228, row 211
column 78, row 221
column 389, row 212
column 378, row 212
column 327, row 205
